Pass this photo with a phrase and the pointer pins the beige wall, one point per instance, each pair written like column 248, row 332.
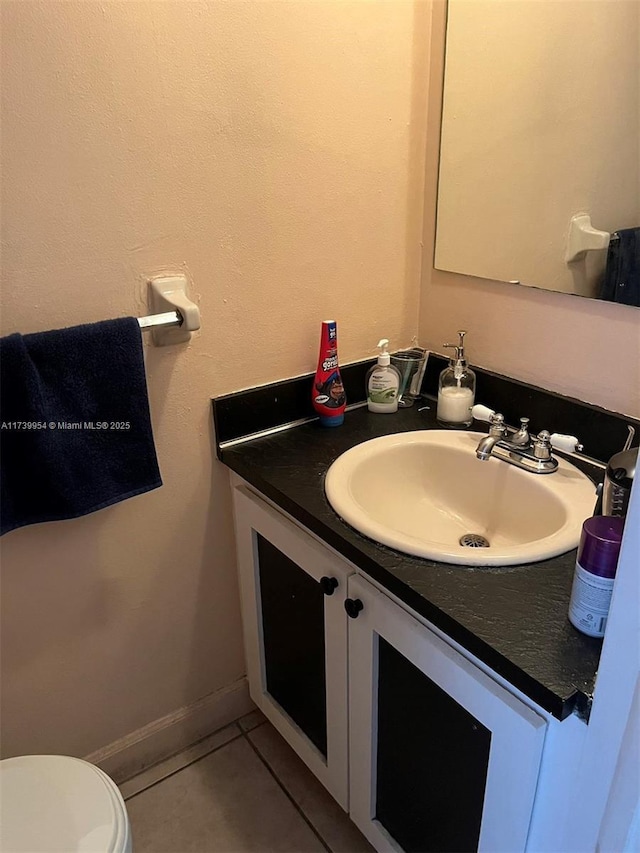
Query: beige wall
column 274, row 151
column 579, row 347
column 540, row 122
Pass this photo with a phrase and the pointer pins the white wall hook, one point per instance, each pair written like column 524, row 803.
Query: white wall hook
column 583, row 237
column 169, row 293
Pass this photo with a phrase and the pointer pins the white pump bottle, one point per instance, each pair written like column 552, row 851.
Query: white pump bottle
column 383, row 383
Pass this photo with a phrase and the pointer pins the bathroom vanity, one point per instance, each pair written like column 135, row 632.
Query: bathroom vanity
column 397, row 722
column 443, row 706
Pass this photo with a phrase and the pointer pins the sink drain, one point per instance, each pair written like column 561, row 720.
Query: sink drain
column 474, row 540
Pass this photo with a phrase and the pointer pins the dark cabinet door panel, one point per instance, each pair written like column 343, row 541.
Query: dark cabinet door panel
column 432, row 761
column 292, row 605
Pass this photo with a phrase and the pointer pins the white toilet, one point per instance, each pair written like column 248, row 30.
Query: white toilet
column 58, row 804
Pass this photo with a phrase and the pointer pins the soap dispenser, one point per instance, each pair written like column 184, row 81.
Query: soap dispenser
column 383, row 382
column 456, row 389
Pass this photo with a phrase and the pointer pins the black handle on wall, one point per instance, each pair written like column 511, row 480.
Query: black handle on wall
column 328, row 585
column 353, row 606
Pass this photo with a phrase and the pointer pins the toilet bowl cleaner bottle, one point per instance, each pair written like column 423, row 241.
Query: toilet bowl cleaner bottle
column 594, row 574
column 328, row 397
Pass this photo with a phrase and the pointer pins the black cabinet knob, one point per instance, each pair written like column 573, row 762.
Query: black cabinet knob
column 353, row 606
column 328, row 585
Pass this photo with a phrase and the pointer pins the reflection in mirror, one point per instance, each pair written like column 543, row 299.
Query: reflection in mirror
column 540, row 122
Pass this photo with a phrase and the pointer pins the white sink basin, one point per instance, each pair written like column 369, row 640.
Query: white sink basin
column 421, row 492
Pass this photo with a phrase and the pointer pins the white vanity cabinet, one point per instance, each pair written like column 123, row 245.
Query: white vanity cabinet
column 424, row 749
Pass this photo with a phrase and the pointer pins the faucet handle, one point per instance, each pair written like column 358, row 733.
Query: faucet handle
column 497, row 426
column 566, row 443
column 482, row 413
column 542, row 445
column 496, row 420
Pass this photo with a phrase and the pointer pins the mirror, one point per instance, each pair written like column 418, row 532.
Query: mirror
column 540, row 122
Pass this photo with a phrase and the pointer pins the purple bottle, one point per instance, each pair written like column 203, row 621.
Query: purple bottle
column 594, row 574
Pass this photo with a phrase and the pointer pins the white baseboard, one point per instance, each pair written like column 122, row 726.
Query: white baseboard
column 172, row 733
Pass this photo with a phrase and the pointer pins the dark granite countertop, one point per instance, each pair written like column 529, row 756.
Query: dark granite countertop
column 512, row 618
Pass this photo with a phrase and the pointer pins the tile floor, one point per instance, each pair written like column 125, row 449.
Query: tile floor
column 241, row 790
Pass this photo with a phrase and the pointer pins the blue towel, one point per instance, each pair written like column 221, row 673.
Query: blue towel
column 621, row 281
column 75, row 428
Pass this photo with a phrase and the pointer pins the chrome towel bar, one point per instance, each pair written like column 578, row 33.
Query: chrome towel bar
column 170, row 318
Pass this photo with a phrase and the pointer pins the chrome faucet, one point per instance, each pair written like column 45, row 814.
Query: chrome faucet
column 518, row 447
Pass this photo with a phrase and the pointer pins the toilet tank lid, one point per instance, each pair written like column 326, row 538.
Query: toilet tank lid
column 58, row 804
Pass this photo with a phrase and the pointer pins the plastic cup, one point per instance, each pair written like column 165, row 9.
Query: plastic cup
column 411, row 364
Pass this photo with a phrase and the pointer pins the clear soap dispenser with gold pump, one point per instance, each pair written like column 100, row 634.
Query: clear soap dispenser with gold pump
column 456, row 389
